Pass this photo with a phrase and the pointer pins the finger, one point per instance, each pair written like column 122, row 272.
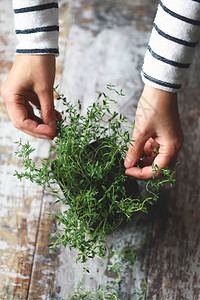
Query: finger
column 47, row 108
column 33, row 98
column 19, row 116
column 140, row 173
column 147, row 161
column 31, row 114
column 41, row 131
column 58, row 115
column 39, row 136
column 135, row 149
column 35, row 101
column 34, row 127
column 164, row 158
column 150, row 147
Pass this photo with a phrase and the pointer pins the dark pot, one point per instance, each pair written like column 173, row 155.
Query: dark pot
column 131, row 184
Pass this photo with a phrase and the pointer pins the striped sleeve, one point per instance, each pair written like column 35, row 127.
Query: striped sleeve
column 36, row 26
column 175, row 33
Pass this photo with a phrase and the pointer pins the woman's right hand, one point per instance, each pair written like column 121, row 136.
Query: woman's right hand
column 157, row 133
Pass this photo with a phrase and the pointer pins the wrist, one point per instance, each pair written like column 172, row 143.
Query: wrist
column 34, row 57
column 157, row 97
column 157, row 93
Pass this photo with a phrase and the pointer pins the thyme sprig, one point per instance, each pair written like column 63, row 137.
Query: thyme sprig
column 86, row 161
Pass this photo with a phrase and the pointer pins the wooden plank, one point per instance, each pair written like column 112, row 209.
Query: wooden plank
column 20, row 204
column 107, row 43
column 43, row 284
column 65, row 16
column 22, row 212
column 20, row 209
column 100, row 36
column 174, row 264
column 45, row 262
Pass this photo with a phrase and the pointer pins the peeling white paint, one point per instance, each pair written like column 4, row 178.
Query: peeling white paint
column 3, row 245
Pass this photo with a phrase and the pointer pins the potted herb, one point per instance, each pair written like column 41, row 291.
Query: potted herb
column 87, row 164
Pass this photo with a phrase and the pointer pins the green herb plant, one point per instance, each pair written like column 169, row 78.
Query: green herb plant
column 128, row 257
column 91, row 176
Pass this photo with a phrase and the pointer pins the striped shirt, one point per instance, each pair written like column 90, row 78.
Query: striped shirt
column 36, row 26
column 175, row 34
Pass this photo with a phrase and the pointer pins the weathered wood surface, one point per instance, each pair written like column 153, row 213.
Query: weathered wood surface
column 43, row 281
column 23, row 210
column 105, row 42
column 19, row 203
column 174, row 271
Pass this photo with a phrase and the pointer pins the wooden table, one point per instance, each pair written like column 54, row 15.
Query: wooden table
column 100, row 42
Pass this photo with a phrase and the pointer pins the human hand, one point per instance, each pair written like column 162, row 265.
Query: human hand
column 30, row 83
column 157, row 133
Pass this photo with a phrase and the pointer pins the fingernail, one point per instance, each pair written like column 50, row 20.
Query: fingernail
column 128, row 163
column 53, row 124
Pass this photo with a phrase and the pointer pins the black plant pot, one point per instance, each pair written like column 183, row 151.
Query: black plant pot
column 131, row 186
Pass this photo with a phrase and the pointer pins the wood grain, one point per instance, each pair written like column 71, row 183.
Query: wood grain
column 43, row 281
column 107, row 41
column 100, row 42
column 20, row 203
column 175, row 264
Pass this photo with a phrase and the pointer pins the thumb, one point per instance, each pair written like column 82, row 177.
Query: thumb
column 47, row 109
column 135, row 149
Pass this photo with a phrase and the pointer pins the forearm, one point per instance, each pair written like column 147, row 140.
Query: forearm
column 175, row 34
column 36, row 25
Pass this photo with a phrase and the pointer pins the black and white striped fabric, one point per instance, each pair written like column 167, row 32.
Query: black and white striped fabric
column 175, row 33
column 36, row 26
